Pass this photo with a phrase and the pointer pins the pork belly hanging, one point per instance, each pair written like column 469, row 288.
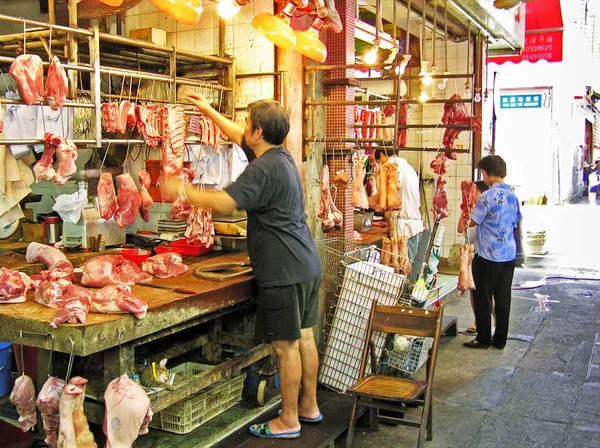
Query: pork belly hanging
column 23, row 397
column 57, row 85
column 28, row 72
column 107, row 198
column 128, row 201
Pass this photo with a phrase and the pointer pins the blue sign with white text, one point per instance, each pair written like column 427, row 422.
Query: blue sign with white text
column 524, row 101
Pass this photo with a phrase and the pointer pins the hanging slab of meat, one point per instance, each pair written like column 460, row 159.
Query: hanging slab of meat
column 465, row 276
column 468, row 190
column 83, row 436
column 403, row 120
column 107, row 198
column 67, row 154
column 457, row 113
column 146, row 200
column 359, row 195
column 28, row 72
column 402, row 263
column 394, row 198
column 74, row 305
column 66, row 430
column 149, row 120
column 132, row 116
column 118, row 299
column 111, row 113
column 127, row 412
column 325, row 205
column 123, row 116
column 48, row 404
column 57, row 85
column 13, row 286
column 54, row 259
column 373, row 192
column 440, row 200
column 112, row 270
column 439, row 165
column 200, row 227
column 383, row 187
column 173, row 123
column 43, row 169
column 23, row 397
column 165, row 265
column 128, row 201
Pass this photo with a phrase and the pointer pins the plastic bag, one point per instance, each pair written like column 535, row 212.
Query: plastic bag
column 70, row 206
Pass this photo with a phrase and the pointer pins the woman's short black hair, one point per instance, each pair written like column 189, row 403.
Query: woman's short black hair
column 386, row 152
column 481, row 186
column 493, row 165
column 269, row 116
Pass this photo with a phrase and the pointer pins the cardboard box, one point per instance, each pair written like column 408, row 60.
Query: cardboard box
column 154, row 35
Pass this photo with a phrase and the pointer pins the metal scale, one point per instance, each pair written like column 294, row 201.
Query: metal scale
column 90, row 223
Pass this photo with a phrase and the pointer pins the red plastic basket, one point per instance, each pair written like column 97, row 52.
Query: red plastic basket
column 191, row 249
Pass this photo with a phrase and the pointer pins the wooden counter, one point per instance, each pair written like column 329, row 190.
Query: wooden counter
column 165, row 309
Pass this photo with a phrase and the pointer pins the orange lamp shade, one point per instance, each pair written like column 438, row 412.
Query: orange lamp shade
column 113, row 3
column 308, row 43
column 184, row 11
column 275, row 28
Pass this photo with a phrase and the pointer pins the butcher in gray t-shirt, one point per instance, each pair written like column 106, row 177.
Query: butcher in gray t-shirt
column 282, row 252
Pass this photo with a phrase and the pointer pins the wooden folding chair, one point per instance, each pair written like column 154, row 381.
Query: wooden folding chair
column 393, row 393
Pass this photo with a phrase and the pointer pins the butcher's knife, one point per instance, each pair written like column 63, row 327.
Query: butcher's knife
column 172, row 288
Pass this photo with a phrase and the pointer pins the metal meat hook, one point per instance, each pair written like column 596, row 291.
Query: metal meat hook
column 71, row 356
column 45, row 335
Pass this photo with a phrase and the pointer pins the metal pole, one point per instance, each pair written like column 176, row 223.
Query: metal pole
column 72, row 47
column 51, row 12
column 95, row 85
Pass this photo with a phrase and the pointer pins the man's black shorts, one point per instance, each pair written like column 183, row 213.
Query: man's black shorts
column 284, row 310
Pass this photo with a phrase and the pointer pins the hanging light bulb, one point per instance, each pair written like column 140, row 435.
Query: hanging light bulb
column 426, row 78
column 277, row 28
column 477, row 95
column 467, row 93
column 184, row 11
column 371, row 55
column 402, row 67
column 423, row 97
column 444, row 82
column 228, row 8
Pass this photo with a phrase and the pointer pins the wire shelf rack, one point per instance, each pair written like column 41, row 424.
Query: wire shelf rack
column 352, row 280
column 412, row 356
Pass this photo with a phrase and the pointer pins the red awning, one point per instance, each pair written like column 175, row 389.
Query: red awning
column 543, row 34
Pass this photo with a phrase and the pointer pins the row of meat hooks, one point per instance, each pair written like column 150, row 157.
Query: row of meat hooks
column 45, row 335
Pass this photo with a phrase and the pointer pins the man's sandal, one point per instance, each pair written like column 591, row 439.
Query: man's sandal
column 263, row 430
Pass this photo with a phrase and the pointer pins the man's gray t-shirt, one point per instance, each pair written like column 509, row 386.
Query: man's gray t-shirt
column 281, row 248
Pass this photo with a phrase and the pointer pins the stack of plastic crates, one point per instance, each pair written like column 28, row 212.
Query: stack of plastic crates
column 358, row 280
column 189, row 413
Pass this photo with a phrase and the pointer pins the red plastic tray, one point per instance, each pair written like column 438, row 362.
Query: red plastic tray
column 192, row 249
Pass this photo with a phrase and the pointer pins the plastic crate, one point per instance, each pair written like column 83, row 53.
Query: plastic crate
column 189, row 413
column 410, row 359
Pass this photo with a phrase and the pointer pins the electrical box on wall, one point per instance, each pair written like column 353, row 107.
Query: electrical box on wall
column 154, row 35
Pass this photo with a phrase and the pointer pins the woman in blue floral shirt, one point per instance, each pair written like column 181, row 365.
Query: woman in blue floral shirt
column 496, row 215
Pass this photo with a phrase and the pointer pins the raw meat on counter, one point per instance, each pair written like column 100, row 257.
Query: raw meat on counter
column 48, row 404
column 83, row 435
column 127, row 412
column 54, row 259
column 117, row 299
column 173, row 124
column 57, row 85
column 73, row 306
column 107, row 198
column 359, row 195
column 70, row 402
column 440, row 200
column 28, row 72
column 67, row 154
column 128, row 201
column 149, row 118
column 166, row 265
column 107, row 270
column 146, row 200
column 13, row 285
column 23, row 397
column 200, row 227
